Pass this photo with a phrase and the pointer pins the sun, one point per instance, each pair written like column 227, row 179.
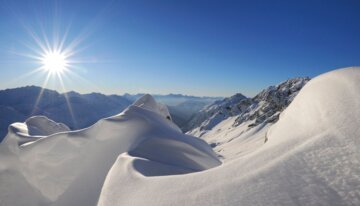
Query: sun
column 54, row 62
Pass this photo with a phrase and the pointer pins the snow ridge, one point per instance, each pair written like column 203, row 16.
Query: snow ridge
column 69, row 168
column 264, row 107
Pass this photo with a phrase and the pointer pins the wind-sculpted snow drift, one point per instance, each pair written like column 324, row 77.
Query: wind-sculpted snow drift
column 140, row 158
column 31, row 130
column 70, row 168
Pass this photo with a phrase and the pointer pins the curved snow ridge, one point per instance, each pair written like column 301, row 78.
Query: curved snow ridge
column 167, row 145
column 330, row 102
column 187, row 156
column 32, row 129
column 70, row 168
column 148, row 102
column 311, row 158
column 322, row 124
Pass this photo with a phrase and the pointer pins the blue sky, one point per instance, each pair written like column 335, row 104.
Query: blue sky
column 214, row 48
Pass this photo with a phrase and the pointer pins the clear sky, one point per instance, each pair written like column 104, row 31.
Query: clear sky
column 197, row 47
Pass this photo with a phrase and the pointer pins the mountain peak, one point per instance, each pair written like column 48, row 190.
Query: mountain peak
column 264, row 107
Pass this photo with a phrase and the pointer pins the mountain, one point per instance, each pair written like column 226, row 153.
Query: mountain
column 22, row 103
column 216, row 112
column 264, row 107
column 181, row 107
column 184, row 111
column 140, row 157
column 16, row 105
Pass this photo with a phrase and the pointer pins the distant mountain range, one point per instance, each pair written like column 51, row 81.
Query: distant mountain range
column 16, row 105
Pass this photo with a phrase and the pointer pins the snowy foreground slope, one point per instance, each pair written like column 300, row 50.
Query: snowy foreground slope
column 139, row 157
column 311, row 158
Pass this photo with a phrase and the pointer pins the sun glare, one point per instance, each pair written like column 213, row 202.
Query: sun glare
column 54, row 62
column 55, row 56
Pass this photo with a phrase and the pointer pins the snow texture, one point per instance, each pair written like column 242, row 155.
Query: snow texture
column 139, row 157
column 70, row 168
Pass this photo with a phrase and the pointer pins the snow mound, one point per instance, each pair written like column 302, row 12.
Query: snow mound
column 329, row 104
column 322, row 128
column 33, row 129
column 42, row 126
column 311, row 158
column 70, row 168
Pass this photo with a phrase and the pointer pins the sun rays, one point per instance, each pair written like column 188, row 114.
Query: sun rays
column 56, row 59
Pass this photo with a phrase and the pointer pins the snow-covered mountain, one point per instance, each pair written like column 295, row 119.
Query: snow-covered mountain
column 140, row 157
column 264, row 107
column 215, row 113
column 17, row 105
column 22, row 103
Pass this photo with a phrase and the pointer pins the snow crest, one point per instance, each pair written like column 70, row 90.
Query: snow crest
column 32, row 130
column 69, row 168
column 148, row 102
column 311, row 156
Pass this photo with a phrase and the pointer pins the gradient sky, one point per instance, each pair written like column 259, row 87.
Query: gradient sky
column 214, row 48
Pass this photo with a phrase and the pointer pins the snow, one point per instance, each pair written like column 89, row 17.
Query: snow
column 149, row 103
column 214, row 113
column 265, row 107
column 69, row 168
column 32, row 130
column 139, row 157
column 18, row 104
column 294, row 167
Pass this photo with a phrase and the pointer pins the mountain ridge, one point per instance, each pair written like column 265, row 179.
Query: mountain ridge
column 265, row 106
column 19, row 104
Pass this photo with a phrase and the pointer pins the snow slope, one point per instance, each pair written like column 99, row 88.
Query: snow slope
column 244, row 122
column 69, row 168
column 140, row 157
column 311, row 158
